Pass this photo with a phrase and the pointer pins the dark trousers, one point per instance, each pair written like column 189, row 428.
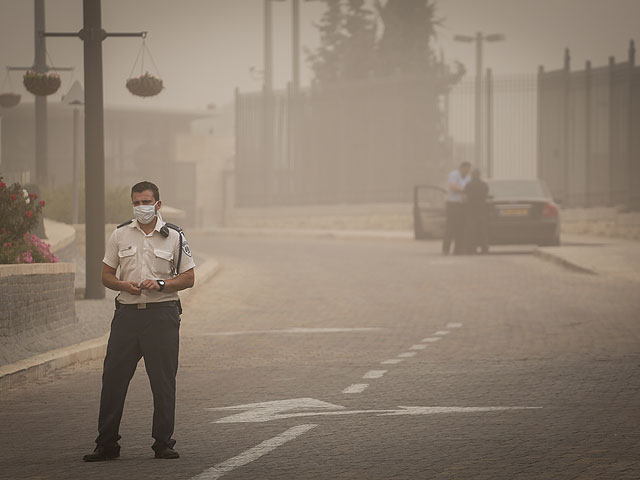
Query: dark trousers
column 454, row 230
column 153, row 334
column 477, row 231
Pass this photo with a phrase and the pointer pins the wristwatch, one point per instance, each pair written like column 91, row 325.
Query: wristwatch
column 161, row 283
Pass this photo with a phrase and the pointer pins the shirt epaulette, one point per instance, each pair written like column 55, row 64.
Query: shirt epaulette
column 124, row 223
column 173, row 226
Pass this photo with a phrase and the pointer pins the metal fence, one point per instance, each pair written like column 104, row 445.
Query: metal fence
column 359, row 142
column 589, row 133
column 508, row 128
column 372, row 141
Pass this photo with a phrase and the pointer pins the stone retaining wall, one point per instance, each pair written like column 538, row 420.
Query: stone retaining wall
column 35, row 296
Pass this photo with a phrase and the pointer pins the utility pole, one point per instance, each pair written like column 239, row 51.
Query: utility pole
column 478, row 96
column 479, row 39
column 40, row 66
column 93, row 35
column 268, row 49
column 295, row 45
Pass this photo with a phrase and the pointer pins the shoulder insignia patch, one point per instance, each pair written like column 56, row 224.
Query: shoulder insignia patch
column 186, row 249
column 124, row 223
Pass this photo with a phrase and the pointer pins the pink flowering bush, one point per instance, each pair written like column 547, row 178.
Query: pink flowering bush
column 19, row 214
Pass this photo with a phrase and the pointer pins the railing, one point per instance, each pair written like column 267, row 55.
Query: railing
column 588, row 152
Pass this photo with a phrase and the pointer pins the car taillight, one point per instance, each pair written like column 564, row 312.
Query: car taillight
column 549, row 210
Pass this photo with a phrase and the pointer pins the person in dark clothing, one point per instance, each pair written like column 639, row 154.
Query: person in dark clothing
column 476, row 214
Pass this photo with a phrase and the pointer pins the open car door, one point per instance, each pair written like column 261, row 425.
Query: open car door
column 428, row 212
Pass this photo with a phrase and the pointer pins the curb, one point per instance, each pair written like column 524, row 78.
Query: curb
column 316, row 233
column 34, row 368
column 562, row 262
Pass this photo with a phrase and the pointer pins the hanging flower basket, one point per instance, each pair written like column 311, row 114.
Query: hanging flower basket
column 8, row 100
column 145, row 85
column 42, row 84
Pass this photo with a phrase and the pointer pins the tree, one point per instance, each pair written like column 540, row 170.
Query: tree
column 347, row 42
column 409, row 28
column 350, row 47
column 360, row 27
column 326, row 61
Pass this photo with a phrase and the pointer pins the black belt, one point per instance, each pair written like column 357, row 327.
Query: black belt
column 143, row 306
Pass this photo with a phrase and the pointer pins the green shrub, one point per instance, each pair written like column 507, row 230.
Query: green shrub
column 60, row 204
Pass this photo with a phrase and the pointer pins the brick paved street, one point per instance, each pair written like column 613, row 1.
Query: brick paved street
column 393, row 320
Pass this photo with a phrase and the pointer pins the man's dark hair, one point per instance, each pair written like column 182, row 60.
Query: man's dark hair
column 465, row 164
column 142, row 186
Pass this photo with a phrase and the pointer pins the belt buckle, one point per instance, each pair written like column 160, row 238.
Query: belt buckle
column 142, row 306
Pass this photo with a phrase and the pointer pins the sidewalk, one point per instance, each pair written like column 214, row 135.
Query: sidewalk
column 35, row 355
column 596, row 255
column 581, row 253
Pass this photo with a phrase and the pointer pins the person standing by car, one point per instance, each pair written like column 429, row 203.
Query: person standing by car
column 476, row 214
column 454, row 230
column 154, row 263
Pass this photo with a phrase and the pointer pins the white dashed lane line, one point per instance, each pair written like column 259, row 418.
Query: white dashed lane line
column 356, row 388
column 413, row 350
column 254, row 453
column 392, row 361
column 431, row 339
column 375, row 374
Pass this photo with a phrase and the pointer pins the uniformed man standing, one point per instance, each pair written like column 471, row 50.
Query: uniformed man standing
column 155, row 263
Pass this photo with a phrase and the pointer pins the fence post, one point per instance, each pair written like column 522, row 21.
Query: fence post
column 238, row 146
column 633, row 173
column 489, row 120
column 566, row 125
column 540, row 162
column 612, row 111
column 587, row 137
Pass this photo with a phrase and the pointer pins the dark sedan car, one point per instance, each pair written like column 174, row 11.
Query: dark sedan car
column 520, row 212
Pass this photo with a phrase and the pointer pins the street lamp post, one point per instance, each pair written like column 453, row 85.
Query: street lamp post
column 40, row 66
column 479, row 39
column 75, row 99
column 92, row 35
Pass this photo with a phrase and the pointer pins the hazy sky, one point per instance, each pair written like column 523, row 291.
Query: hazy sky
column 204, row 48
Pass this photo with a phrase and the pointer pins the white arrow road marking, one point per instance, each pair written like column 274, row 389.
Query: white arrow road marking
column 254, row 453
column 266, row 411
column 442, row 332
column 436, row 410
column 282, row 409
column 291, row 330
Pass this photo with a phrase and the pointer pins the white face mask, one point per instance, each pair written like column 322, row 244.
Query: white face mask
column 144, row 213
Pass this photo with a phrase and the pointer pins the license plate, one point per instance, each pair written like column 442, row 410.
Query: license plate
column 514, row 212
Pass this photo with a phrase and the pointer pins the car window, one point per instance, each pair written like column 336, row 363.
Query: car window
column 516, row 188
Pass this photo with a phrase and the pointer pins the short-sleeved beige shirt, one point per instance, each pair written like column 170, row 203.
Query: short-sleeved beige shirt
column 139, row 256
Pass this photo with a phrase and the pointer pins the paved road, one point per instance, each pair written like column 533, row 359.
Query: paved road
column 352, row 341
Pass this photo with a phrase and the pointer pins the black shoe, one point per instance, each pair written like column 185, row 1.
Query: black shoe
column 167, row 453
column 101, row 454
